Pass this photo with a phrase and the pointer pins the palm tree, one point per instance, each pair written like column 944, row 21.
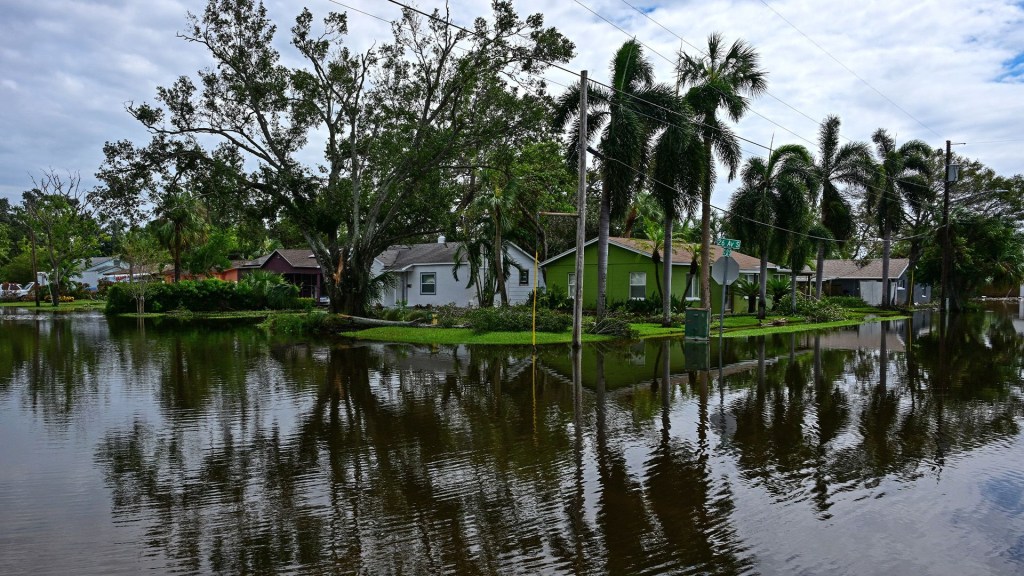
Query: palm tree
column 901, row 172
column 625, row 116
column 720, row 80
column 679, row 167
column 180, row 223
column 850, row 165
column 769, row 209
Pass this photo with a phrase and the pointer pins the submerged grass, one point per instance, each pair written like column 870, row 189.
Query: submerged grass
column 464, row 336
column 46, row 306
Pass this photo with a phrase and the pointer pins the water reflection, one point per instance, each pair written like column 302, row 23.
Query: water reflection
column 230, row 451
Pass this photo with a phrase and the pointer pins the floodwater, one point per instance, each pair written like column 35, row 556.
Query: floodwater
column 883, row 449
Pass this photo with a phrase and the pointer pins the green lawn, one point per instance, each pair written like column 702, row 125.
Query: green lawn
column 64, row 306
column 463, row 336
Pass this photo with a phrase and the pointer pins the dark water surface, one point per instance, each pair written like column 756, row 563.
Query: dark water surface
column 882, row 449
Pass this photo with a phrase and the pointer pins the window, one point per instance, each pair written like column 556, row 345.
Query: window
column 694, row 293
column 637, row 285
column 572, row 285
column 428, row 283
column 524, row 277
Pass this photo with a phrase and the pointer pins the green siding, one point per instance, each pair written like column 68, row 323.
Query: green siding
column 620, row 263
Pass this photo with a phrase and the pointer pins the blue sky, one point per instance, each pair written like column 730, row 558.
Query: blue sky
column 950, row 69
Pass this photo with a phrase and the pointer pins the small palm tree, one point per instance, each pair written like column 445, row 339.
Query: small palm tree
column 901, row 171
column 771, row 208
column 850, row 165
column 180, row 223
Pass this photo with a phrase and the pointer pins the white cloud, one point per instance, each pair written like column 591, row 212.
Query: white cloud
column 950, row 65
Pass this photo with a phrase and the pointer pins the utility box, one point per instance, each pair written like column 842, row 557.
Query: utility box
column 697, row 356
column 698, row 323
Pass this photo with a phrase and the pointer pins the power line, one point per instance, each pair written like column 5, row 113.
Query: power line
column 848, row 69
column 670, row 61
column 361, row 11
column 703, row 53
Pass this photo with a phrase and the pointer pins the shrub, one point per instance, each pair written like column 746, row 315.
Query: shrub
column 516, row 319
column 812, row 310
column 449, row 315
column 554, row 298
column 611, row 325
column 846, row 301
column 205, row 296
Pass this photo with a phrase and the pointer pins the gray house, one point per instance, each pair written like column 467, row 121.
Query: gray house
column 428, row 276
column 863, row 278
column 100, row 268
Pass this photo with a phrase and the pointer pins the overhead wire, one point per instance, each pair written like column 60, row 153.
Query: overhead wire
column 848, row 69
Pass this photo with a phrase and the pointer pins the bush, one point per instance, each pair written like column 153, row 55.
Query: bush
column 611, row 325
column 812, row 310
column 205, row 296
column 554, row 298
column 449, row 315
column 846, row 301
column 516, row 319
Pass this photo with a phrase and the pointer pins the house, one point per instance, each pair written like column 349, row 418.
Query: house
column 98, row 268
column 863, row 278
column 632, row 274
column 429, row 274
column 297, row 265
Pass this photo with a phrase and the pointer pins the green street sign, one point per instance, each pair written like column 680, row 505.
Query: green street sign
column 728, row 243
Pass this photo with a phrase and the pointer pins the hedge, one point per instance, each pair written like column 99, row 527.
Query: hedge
column 202, row 296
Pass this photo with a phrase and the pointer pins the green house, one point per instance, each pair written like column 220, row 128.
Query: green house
column 631, row 271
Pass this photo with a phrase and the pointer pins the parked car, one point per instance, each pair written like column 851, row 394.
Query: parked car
column 9, row 289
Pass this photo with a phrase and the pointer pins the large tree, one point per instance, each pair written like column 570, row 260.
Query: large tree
column 900, row 171
column 720, row 79
column 626, row 115
column 769, row 212
column 837, row 165
column 398, row 126
column 62, row 223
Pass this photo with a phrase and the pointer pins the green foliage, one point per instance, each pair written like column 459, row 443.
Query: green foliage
column 312, row 322
column 849, row 302
column 813, row 310
column 268, row 290
column 516, row 319
column 612, row 326
column 19, row 269
column 204, row 296
column 449, row 315
column 778, row 289
column 554, row 298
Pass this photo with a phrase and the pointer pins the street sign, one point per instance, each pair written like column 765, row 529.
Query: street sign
column 728, row 243
column 725, row 270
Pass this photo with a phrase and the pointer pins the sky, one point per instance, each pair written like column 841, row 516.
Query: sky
column 929, row 70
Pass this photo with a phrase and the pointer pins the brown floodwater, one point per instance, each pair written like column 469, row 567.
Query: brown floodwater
column 891, row 448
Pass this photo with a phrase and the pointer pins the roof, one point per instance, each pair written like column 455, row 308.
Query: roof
column 295, row 257
column 862, row 269
column 681, row 255
column 403, row 256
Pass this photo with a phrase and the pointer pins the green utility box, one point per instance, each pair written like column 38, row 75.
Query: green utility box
column 697, row 356
column 698, row 323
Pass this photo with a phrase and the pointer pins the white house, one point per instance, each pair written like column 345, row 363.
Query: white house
column 427, row 275
column 863, row 278
column 99, row 268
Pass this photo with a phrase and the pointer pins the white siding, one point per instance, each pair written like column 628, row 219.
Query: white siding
column 518, row 294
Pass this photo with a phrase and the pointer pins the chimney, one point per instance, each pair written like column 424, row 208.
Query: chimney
column 440, row 239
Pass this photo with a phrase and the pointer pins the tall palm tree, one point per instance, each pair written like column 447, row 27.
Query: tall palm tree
column 679, row 167
column 901, row 172
column 721, row 79
column 180, row 223
column 769, row 209
column 625, row 116
column 850, row 165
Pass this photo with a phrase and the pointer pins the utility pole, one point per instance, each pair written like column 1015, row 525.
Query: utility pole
column 947, row 244
column 581, row 220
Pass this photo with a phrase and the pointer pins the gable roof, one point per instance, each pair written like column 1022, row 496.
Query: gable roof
column 862, row 269
column 681, row 255
column 295, row 257
column 401, row 257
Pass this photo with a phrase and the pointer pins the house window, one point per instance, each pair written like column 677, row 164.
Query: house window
column 637, row 285
column 694, row 292
column 572, row 285
column 524, row 277
column 428, row 283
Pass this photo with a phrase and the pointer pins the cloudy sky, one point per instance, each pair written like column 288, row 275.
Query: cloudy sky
column 944, row 69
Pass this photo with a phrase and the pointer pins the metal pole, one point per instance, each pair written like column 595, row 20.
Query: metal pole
column 725, row 290
column 946, row 244
column 581, row 220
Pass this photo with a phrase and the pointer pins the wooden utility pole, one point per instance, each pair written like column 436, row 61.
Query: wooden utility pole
column 947, row 259
column 581, row 219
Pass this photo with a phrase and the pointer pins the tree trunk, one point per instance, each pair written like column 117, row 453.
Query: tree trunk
column 705, row 234
column 820, row 272
column 762, row 299
column 666, row 276
column 177, row 255
column 792, row 288
column 499, row 264
column 886, row 245
column 602, row 253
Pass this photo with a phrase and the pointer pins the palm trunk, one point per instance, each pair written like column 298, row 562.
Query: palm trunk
column 792, row 288
column 886, row 245
column 602, row 252
column 820, row 272
column 177, row 255
column 705, row 234
column 666, row 276
column 762, row 299
column 499, row 265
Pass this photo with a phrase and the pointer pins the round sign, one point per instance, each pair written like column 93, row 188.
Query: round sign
column 725, row 270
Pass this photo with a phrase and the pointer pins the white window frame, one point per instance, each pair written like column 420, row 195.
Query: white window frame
column 433, row 283
column 570, row 281
column 694, row 289
column 632, row 285
column 524, row 277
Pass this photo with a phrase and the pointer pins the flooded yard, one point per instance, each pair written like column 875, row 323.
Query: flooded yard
column 890, row 448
